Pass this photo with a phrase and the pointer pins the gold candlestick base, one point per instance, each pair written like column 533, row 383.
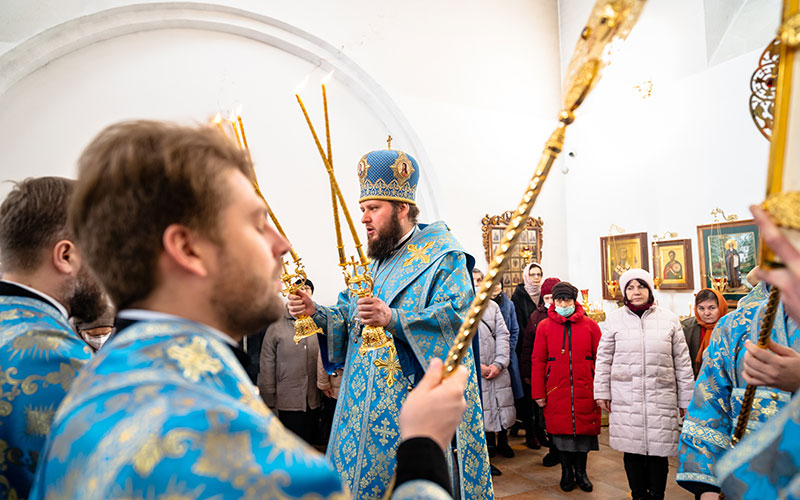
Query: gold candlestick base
column 373, row 337
column 305, row 327
column 360, row 283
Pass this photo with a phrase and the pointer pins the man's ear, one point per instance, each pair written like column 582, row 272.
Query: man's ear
column 65, row 257
column 186, row 249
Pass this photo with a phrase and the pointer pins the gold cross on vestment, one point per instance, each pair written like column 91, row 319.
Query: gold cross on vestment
column 418, row 253
column 392, row 366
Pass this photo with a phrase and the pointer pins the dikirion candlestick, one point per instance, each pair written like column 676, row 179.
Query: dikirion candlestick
column 358, row 279
column 293, row 281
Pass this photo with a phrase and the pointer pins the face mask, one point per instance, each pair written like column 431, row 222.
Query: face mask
column 565, row 311
column 97, row 341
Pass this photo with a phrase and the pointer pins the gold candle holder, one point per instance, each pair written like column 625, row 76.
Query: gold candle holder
column 719, row 284
column 612, row 287
column 359, row 281
column 610, row 21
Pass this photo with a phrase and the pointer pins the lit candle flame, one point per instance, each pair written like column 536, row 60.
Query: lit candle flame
column 327, row 78
column 302, row 84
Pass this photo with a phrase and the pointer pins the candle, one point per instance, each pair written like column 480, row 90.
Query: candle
column 244, row 138
column 236, row 131
column 327, row 125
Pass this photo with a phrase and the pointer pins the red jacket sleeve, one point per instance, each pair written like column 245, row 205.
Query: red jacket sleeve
column 539, row 362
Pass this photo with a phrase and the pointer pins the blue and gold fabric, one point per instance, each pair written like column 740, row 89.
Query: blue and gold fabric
column 40, row 356
column 388, row 175
column 766, row 464
column 165, row 411
column 719, row 390
column 427, row 285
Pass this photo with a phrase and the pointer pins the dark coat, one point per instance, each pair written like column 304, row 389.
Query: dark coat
column 563, row 372
column 524, row 306
column 694, row 335
column 510, row 317
column 528, row 336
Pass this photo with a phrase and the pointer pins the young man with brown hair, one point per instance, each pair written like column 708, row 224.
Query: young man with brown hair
column 44, row 284
column 165, row 409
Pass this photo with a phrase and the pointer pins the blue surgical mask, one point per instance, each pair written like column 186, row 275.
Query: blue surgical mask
column 566, row 311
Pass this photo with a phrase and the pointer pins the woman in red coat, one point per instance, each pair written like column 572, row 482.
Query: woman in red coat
column 562, row 381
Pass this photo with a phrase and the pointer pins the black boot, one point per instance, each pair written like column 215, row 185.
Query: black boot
column 580, row 471
column 552, row 458
column 530, row 435
column 491, row 444
column 494, row 470
column 567, row 474
column 502, row 444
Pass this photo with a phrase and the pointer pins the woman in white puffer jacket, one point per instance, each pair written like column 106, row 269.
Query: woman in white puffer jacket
column 644, row 379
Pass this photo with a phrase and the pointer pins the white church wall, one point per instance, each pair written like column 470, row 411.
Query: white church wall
column 663, row 163
column 477, row 84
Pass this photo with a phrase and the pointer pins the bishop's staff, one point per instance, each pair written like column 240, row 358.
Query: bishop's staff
column 609, row 23
column 783, row 176
column 304, row 326
column 359, row 281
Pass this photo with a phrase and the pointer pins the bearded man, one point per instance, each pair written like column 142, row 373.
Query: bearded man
column 422, row 290
column 40, row 354
column 167, row 217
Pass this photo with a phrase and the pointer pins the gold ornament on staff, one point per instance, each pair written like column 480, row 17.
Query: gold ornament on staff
column 783, row 191
column 358, row 279
column 610, row 22
column 293, row 281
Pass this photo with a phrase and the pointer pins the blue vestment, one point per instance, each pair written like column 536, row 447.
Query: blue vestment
column 714, row 410
column 427, row 285
column 40, row 355
column 766, row 464
column 165, row 410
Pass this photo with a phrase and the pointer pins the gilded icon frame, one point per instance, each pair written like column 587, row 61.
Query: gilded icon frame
column 492, row 229
column 610, row 249
column 680, row 275
column 713, row 258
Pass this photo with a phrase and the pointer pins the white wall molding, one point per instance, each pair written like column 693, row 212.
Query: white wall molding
column 81, row 32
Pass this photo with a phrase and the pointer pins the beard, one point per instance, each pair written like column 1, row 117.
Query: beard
column 245, row 301
column 87, row 301
column 383, row 244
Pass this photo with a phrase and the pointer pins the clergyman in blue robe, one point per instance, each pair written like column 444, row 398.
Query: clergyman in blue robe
column 712, row 414
column 424, row 277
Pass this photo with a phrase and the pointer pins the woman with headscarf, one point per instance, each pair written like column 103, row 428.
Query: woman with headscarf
column 526, row 298
column 644, row 380
column 709, row 307
column 562, row 378
column 526, row 294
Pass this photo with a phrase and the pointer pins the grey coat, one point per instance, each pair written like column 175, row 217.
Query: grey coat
column 498, row 398
column 643, row 367
column 288, row 376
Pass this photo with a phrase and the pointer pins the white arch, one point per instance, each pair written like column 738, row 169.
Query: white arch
column 78, row 33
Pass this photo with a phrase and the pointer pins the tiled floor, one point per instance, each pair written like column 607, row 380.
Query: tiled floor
column 524, row 477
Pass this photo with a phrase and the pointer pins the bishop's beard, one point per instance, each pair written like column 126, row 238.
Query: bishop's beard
column 382, row 246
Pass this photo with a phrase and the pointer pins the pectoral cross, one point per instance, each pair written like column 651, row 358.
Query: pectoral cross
column 392, row 366
column 418, row 253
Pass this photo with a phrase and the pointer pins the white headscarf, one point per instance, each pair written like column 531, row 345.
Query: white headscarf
column 532, row 289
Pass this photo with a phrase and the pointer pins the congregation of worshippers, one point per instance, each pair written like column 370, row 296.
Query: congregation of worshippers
column 182, row 317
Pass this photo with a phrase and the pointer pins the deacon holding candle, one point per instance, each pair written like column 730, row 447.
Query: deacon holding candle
column 421, row 292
